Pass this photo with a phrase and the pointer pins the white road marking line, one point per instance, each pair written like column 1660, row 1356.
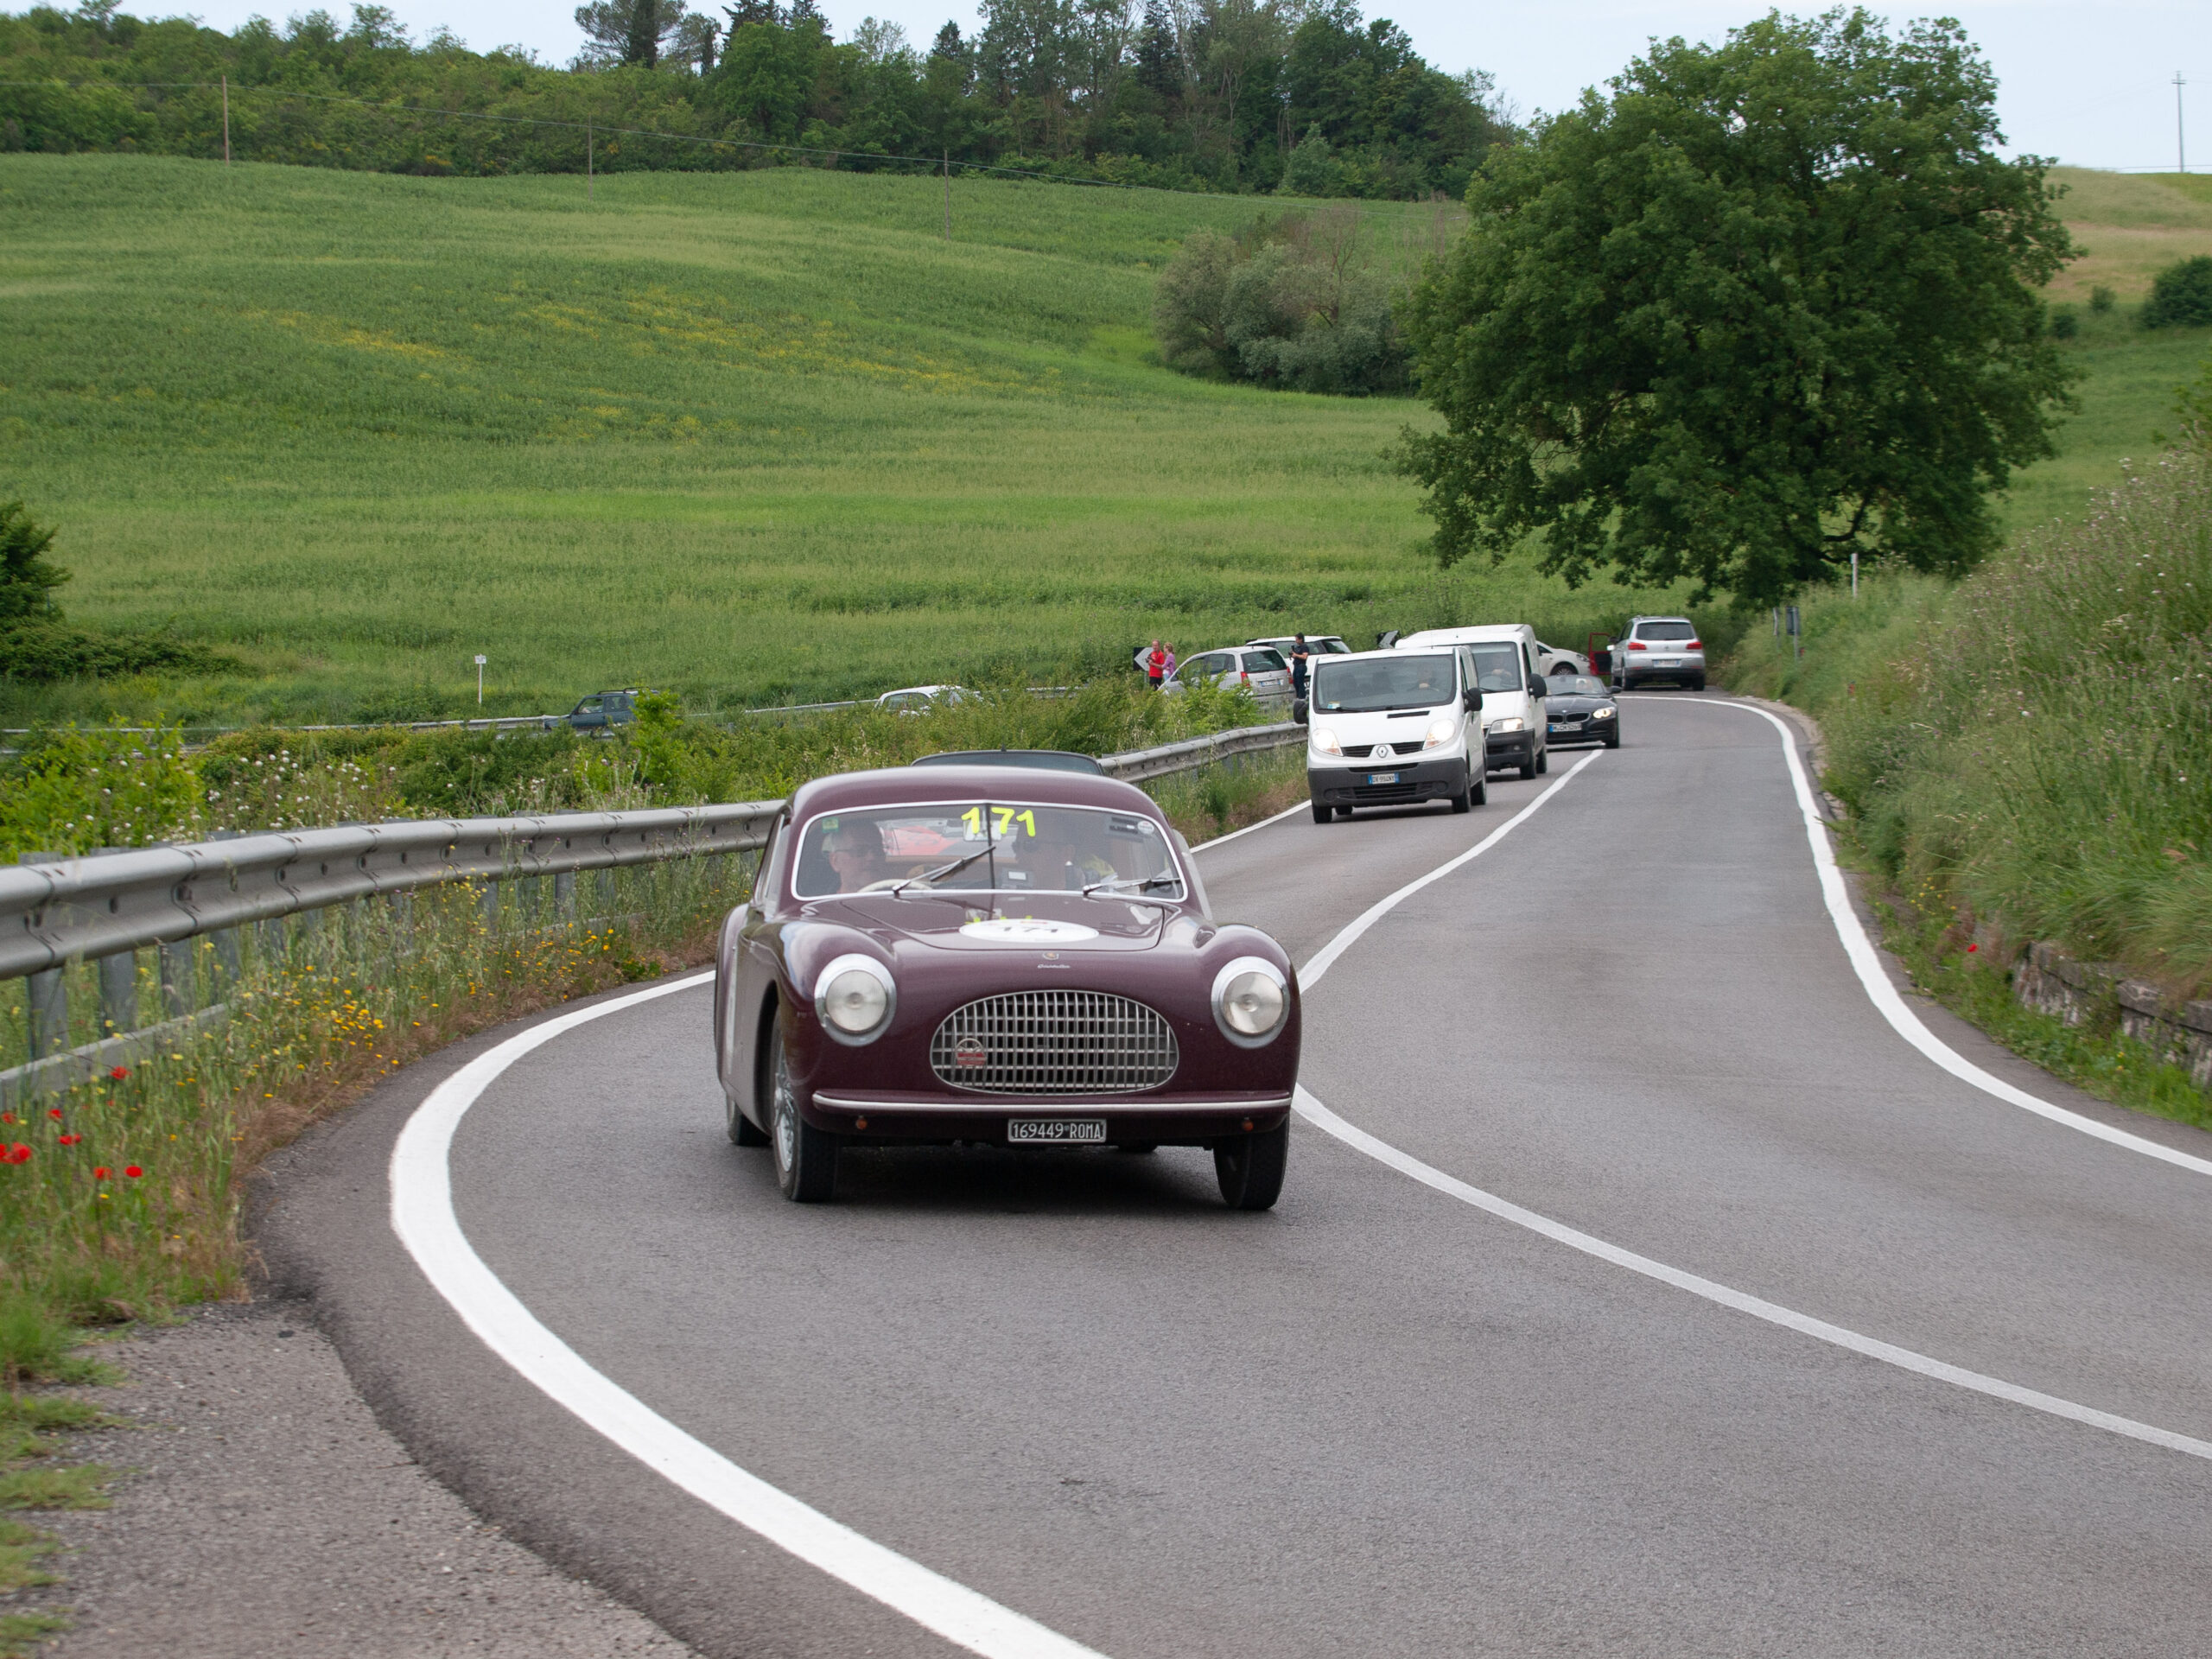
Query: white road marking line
column 1383, row 1153
column 1325, row 957
column 1868, row 965
column 422, row 1215
column 1287, row 812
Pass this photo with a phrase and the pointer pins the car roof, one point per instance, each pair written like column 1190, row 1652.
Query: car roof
column 1037, row 760
column 904, row 690
column 1489, row 633
column 852, row 792
column 1285, row 638
column 1656, row 616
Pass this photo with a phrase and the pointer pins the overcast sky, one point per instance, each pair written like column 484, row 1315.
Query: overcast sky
column 2090, row 84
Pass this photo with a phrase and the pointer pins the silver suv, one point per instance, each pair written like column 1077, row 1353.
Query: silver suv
column 1656, row 649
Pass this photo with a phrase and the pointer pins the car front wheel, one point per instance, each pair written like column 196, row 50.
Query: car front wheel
column 806, row 1158
column 1323, row 814
column 1465, row 800
column 1250, row 1168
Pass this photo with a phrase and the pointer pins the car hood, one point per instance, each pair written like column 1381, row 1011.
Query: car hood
column 1581, row 705
column 999, row 923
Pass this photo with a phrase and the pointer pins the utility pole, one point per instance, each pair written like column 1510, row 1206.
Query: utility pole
column 948, row 195
column 1854, row 573
column 2181, row 147
column 226, row 119
column 587, row 182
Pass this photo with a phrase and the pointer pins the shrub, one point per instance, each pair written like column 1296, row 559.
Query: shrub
column 2181, row 295
column 1187, row 304
column 2064, row 324
column 2100, row 299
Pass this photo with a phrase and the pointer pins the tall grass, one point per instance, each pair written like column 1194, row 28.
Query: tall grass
column 2031, row 752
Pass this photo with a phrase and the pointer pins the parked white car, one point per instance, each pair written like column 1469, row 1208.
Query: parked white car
column 1513, row 691
column 921, row 699
column 1260, row 668
column 1555, row 660
column 1394, row 728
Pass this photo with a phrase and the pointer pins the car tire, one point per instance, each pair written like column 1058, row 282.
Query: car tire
column 1613, row 738
column 806, row 1158
column 1527, row 768
column 742, row 1131
column 1250, row 1168
column 1543, row 760
column 1324, row 814
column 1698, row 684
column 1465, row 800
column 1478, row 789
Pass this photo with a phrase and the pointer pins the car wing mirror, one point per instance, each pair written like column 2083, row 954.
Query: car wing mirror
column 1472, row 699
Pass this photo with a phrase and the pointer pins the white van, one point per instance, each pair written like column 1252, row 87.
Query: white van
column 1391, row 727
column 1507, row 668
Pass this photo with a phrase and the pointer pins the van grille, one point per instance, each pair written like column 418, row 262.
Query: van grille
column 1054, row 1043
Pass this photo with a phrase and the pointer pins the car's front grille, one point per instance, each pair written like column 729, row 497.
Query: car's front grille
column 1054, row 1043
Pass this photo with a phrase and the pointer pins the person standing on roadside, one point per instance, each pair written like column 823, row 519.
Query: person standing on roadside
column 1155, row 665
column 1170, row 649
column 1299, row 653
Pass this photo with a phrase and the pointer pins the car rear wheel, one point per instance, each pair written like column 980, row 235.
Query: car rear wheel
column 806, row 1158
column 1698, row 684
column 1250, row 1168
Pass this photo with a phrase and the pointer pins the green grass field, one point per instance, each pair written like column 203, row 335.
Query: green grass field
column 755, row 438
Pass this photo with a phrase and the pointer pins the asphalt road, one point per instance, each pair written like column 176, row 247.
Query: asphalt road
column 1375, row 1420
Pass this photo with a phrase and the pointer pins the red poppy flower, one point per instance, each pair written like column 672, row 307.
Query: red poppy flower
column 54, row 1111
column 7, row 1117
column 101, row 1171
column 19, row 1153
column 120, row 1073
column 1972, row 949
column 132, row 1171
column 71, row 1140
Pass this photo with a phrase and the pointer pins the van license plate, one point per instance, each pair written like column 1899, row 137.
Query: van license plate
column 1081, row 1131
column 1382, row 777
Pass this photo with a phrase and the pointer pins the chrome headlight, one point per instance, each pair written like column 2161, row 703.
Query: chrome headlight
column 855, row 999
column 1325, row 742
column 1510, row 723
column 1603, row 714
column 1441, row 731
column 1251, row 999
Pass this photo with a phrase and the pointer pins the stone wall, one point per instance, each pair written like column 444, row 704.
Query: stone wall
column 2086, row 993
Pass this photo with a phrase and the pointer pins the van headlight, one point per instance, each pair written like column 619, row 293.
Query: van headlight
column 1441, row 731
column 1325, row 742
column 1510, row 723
column 855, row 998
column 1251, row 999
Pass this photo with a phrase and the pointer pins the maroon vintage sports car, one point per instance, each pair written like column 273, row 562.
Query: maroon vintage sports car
column 1010, row 957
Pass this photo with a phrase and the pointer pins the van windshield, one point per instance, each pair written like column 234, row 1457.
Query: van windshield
column 1373, row 684
column 1497, row 668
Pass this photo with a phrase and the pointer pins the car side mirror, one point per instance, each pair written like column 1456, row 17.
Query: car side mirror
column 1472, row 699
column 1535, row 688
column 1297, row 712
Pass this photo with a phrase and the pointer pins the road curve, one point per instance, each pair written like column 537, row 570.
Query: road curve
column 1374, row 1420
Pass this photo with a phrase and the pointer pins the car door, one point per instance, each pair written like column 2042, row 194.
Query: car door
column 757, row 955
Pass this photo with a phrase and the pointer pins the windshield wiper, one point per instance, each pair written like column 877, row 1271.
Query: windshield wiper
column 1140, row 896
column 953, row 869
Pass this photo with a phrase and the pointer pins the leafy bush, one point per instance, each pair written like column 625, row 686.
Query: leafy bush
column 2065, row 324
column 1293, row 304
column 2100, row 299
column 77, row 790
column 2181, row 295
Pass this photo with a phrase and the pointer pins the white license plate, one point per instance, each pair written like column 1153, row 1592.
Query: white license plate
column 1081, row 1131
column 1382, row 777
column 1666, row 662
column 1567, row 728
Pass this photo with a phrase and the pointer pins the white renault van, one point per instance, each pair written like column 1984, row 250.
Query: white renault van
column 1508, row 671
column 1391, row 727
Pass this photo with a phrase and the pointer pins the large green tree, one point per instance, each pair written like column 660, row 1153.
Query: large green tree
column 1767, row 304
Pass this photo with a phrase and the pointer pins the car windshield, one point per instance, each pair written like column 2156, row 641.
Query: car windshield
column 1497, row 668
column 1371, row 684
column 1009, row 846
column 1577, row 685
column 1665, row 630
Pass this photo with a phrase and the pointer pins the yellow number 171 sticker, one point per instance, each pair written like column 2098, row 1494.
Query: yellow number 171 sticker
column 1003, row 820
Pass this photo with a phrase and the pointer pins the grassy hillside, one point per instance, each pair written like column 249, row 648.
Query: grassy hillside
column 750, row 436
column 753, row 438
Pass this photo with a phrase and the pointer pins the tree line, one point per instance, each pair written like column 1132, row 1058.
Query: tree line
column 1233, row 95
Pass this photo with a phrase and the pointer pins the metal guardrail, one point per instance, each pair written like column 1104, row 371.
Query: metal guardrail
column 108, row 906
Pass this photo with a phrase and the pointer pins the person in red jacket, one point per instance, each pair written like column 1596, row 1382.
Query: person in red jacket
column 1155, row 665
